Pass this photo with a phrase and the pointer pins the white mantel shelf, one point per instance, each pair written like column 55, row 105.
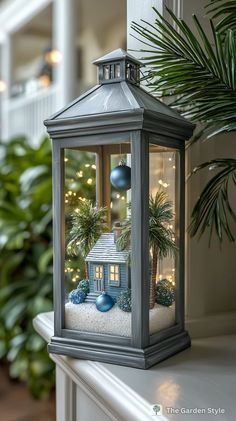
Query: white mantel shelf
column 202, row 376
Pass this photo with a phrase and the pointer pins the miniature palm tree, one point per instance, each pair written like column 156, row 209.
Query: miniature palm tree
column 87, row 226
column 161, row 236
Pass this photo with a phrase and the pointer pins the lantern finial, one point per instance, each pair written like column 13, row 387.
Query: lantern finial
column 118, row 66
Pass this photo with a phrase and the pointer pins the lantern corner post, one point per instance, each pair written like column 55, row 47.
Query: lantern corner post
column 140, row 239
column 58, row 237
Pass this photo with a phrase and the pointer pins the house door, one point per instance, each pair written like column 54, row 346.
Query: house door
column 98, row 278
column 98, row 285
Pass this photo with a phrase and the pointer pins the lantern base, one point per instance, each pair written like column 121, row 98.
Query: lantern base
column 121, row 355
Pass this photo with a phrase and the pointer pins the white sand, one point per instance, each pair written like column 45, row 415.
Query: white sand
column 85, row 317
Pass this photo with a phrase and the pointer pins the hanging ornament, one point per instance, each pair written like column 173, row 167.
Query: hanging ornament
column 104, row 302
column 121, row 176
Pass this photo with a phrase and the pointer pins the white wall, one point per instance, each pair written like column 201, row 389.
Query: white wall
column 210, row 272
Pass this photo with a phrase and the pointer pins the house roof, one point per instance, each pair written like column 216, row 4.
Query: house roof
column 105, row 251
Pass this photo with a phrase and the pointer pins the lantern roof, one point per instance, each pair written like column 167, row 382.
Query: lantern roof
column 117, row 96
column 114, row 98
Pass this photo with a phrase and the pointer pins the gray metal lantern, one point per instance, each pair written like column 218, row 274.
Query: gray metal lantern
column 118, row 183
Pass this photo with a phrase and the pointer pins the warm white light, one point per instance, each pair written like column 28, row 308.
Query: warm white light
column 87, row 165
column 173, row 167
column 123, row 198
column 160, row 277
column 118, row 196
column 163, row 184
column 111, row 205
column 3, row 86
column 53, row 57
column 94, row 167
column 170, row 159
column 66, row 159
column 44, row 81
column 90, row 180
column 79, row 174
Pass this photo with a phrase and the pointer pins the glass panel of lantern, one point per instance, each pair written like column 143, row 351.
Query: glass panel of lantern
column 163, row 236
column 97, row 200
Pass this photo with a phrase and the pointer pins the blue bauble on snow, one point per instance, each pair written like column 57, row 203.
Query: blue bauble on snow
column 104, row 302
column 120, row 177
column 77, row 296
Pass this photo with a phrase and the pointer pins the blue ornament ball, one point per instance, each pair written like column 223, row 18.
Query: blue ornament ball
column 77, row 296
column 104, row 302
column 120, row 177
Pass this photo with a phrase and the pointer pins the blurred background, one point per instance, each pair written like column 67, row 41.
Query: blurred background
column 46, row 51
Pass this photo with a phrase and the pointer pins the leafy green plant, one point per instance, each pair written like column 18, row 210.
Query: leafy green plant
column 160, row 235
column 25, row 260
column 199, row 77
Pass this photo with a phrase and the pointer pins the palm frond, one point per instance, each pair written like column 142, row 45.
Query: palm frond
column 224, row 12
column 199, row 77
column 87, row 226
column 161, row 236
column 212, row 211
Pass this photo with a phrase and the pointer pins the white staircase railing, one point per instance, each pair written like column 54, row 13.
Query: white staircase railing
column 24, row 116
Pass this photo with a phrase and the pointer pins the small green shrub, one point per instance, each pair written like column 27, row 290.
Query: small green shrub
column 84, row 285
column 124, row 300
column 165, row 293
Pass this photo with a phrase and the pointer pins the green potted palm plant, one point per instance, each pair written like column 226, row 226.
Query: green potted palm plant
column 198, row 77
column 160, row 235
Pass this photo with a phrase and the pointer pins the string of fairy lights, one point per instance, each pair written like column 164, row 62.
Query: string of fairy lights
column 71, row 198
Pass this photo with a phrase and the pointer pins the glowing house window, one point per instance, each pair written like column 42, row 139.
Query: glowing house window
column 114, row 275
column 98, row 272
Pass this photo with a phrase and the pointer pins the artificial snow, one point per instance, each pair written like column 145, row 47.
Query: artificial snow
column 85, row 317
